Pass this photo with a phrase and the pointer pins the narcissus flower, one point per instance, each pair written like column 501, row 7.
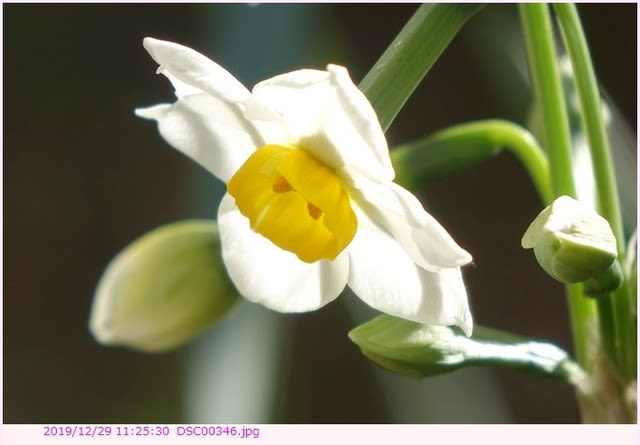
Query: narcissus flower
column 311, row 205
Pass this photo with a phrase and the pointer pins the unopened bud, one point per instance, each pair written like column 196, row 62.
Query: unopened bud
column 163, row 289
column 571, row 242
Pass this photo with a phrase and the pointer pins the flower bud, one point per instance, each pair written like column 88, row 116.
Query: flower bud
column 571, row 242
column 420, row 350
column 163, row 289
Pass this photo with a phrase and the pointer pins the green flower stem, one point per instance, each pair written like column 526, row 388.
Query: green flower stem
column 591, row 113
column 582, row 312
column 607, row 192
column 466, row 144
column 547, row 89
column 412, row 53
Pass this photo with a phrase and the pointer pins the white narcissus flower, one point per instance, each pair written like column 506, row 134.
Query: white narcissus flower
column 311, row 205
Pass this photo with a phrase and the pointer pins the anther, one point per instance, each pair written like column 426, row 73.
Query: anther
column 314, row 212
column 282, row 185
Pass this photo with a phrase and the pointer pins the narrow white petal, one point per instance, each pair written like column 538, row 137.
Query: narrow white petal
column 207, row 130
column 194, row 69
column 402, row 214
column 331, row 118
column 264, row 273
column 387, row 279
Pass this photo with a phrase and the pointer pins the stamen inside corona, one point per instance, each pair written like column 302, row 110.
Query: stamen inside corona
column 295, row 201
column 314, row 211
column 281, row 185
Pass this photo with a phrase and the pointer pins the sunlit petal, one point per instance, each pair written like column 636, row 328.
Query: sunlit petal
column 331, row 118
column 193, row 68
column 384, row 276
column 421, row 235
column 220, row 145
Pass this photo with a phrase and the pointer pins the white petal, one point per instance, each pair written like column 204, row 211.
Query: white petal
column 421, row 235
column 387, row 279
column 194, row 69
column 299, row 97
column 181, row 88
column 268, row 123
column 264, row 273
column 207, row 130
column 331, row 118
column 364, row 121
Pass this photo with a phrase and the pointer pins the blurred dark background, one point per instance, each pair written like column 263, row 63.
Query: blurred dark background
column 83, row 177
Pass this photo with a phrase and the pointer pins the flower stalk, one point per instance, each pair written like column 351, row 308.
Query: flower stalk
column 463, row 145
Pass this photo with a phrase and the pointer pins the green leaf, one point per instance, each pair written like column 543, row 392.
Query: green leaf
column 163, row 289
column 424, row 350
column 412, row 53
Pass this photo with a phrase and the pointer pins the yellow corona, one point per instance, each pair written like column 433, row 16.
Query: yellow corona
column 295, row 201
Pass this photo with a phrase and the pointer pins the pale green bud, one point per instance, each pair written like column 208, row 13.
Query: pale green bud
column 571, row 241
column 163, row 289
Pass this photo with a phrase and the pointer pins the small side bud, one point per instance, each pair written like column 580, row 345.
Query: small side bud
column 163, row 289
column 606, row 282
column 572, row 242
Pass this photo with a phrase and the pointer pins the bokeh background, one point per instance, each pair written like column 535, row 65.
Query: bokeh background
column 83, row 177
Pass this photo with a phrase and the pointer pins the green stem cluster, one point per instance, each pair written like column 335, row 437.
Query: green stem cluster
column 615, row 319
column 547, row 89
column 620, row 318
